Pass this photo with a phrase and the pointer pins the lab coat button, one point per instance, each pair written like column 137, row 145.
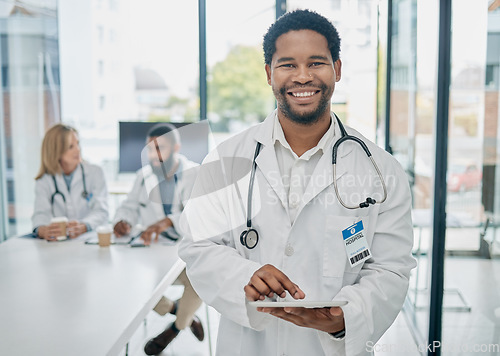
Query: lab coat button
column 289, row 250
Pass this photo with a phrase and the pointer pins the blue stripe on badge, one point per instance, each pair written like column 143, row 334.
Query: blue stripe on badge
column 352, row 230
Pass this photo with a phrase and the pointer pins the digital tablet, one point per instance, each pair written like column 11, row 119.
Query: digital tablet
column 297, row 304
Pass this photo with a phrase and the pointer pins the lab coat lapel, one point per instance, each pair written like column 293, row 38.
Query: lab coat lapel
column 323, row 173
column 267, row 161
column 61, row 206
column 268, row 164
column 153, row 195
column 321, row 178
column 61, row 185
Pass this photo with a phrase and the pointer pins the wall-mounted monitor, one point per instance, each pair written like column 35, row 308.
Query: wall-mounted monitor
column 132, row 136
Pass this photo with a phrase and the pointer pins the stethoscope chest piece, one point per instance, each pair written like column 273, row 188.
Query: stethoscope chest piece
column 249, row 238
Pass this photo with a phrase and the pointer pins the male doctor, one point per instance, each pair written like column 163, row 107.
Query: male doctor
column 156, row 200
column 305, row 234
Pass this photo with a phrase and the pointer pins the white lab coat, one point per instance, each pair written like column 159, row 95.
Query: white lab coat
column 143, row 203
column 310, row 252
column 93, row 211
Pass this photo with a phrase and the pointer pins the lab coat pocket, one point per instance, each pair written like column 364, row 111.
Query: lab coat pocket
column 335, row 262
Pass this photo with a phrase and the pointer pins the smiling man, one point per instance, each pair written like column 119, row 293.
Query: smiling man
column 293, row 235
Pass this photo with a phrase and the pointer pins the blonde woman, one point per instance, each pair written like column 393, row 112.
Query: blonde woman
column 67, row 186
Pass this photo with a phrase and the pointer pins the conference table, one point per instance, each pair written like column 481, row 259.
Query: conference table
column 73, row 298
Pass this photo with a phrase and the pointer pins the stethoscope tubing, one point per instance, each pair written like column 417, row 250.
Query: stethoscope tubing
column 351, row 207
column 345, row 137
column 250, row 188
column 85, row 194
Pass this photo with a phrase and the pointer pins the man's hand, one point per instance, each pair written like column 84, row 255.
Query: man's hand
column 76, row 228
column 267, row 281
column 122, row 228
column 50, row 232
column 155, row 230
column 329, row 320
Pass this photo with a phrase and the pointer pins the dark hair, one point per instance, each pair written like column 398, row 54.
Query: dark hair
column 164, row 128
column 301, row 20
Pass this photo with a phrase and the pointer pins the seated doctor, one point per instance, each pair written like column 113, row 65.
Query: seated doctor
column 67, row 187
column 314, row 218
column 156, row 200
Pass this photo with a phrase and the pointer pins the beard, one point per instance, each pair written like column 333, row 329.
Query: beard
column 164, row 168
column 305, row 118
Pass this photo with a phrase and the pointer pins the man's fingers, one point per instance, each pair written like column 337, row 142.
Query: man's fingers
column 146, row 236
column 273, row 279
column 291, row 287
column 270, row 279
column 336, row 311
column 125, row 228
column 121, row 228
column 294, row 310
column 262, row 286
column 252, row 294
column 297, row 292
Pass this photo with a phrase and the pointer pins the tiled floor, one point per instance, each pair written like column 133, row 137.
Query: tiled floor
column 477, row 279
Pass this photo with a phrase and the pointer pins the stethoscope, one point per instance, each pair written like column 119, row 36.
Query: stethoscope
column 250, row 237
column 85, row 194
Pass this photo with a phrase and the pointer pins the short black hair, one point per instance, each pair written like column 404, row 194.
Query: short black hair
column 164, row 128
column 301, row 20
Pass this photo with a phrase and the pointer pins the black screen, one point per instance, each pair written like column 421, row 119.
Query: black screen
column 132, row 135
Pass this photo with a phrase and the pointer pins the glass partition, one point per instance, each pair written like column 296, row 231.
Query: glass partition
column 90, row 64
column 470, row 322
column 412, row 99
column 135, row 61
column 471, row 313
column 29, row 56
column 238, row 93
column 355, row 96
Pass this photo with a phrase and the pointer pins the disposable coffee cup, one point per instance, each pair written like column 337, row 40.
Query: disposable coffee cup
column 104, row 235
column 63, row 224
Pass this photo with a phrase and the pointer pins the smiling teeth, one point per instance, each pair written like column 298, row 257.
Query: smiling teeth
column 301, row 95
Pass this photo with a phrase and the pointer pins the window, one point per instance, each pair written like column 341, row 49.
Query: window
column 238, row 93
column 31, row 102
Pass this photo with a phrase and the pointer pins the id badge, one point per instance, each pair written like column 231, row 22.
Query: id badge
column 355, row 243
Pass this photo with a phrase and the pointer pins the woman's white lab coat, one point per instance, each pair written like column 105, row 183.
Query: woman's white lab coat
column 143, row 203
column 310, row 252
column 92, row 211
